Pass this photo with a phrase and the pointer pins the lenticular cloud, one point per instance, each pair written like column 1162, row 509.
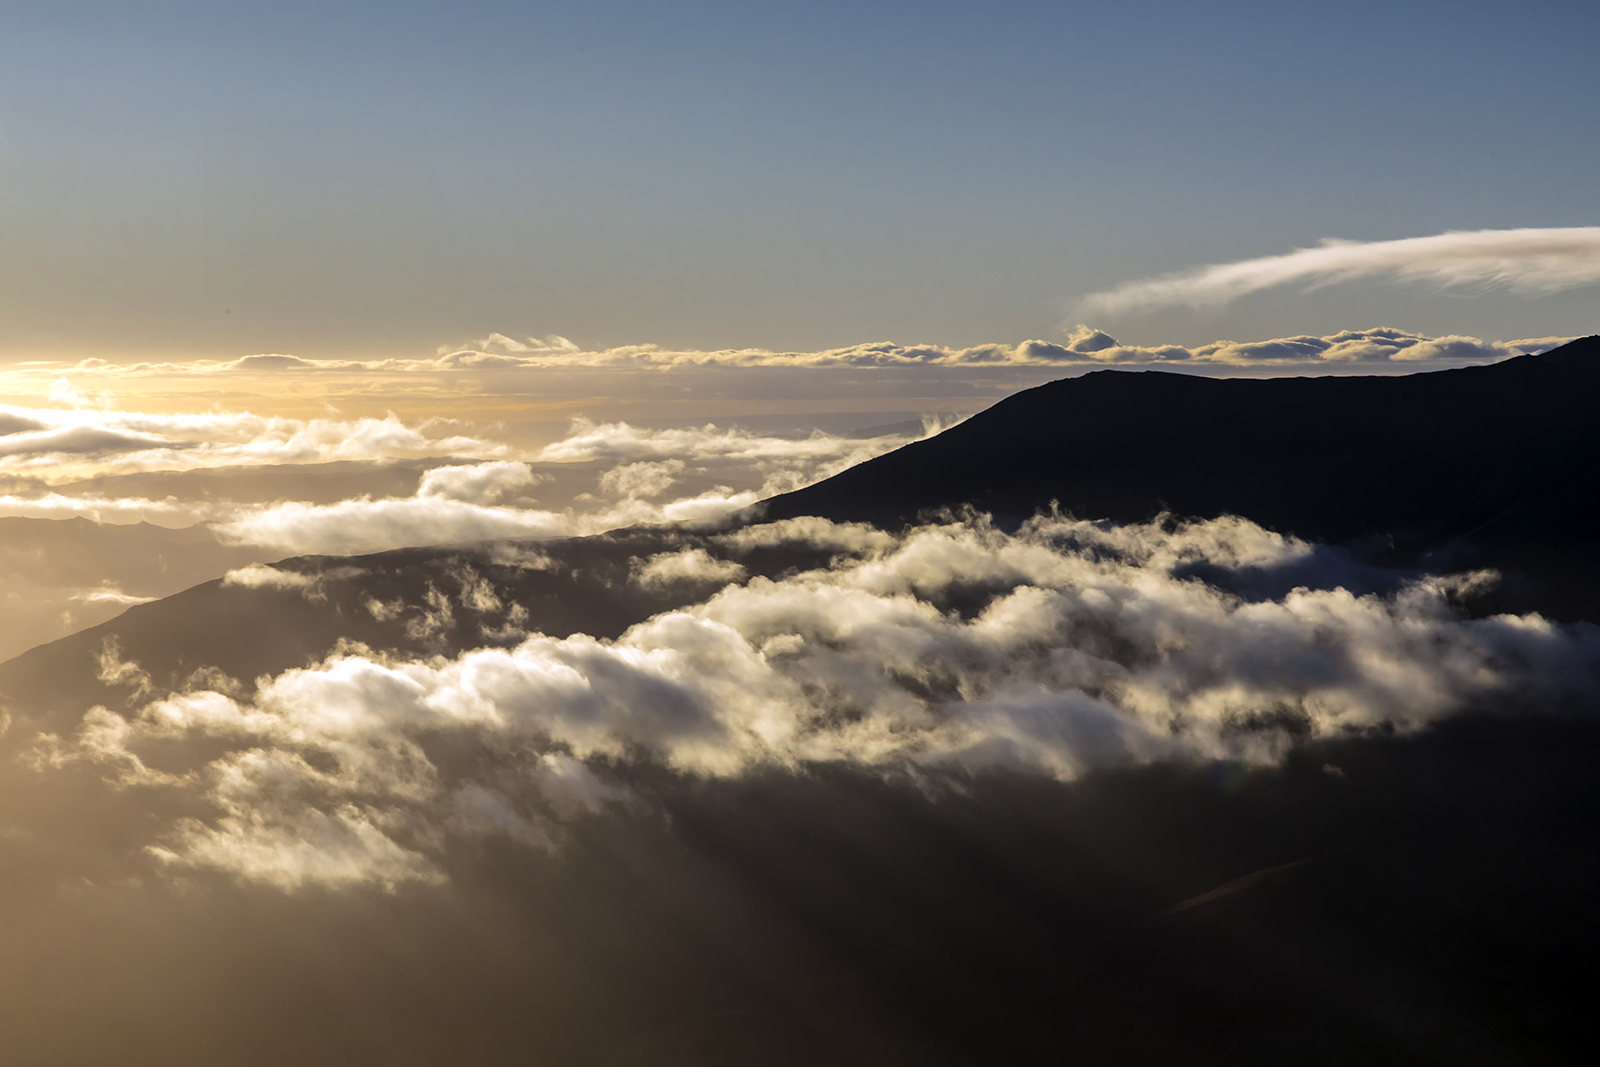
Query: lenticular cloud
column 945, row 651
column 1525, row 261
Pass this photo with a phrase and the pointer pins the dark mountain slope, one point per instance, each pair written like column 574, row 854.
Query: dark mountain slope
column 1480, row 466
column 415, row 601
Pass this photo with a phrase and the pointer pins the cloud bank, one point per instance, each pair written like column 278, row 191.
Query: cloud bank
column 950, row 649
column 1530, row 261
column 462, row 380
column 1376, row 346
column 56, row 443
column 457, row 504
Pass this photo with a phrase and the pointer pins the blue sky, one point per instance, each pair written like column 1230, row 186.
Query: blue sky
column 362, row 178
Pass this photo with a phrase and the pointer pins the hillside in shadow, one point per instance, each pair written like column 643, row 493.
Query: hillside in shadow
column 1495, row 466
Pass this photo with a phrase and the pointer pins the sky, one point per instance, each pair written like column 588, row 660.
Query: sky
column 348, row 180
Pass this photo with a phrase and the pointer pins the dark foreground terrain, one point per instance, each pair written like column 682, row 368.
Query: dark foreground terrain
column 1422, row 900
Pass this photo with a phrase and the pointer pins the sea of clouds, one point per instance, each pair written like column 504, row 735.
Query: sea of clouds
column 948, row 650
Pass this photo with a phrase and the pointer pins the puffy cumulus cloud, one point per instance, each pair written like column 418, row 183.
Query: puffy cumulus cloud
column 352, row 527
column 478, row 483
column 641, row 479
column 73, row 443
column 955, row 647
column 1525, row 261
column 650, row 461
column 1373, row 346
column 811, row 531
column 691, row 566
column 363, row 525
column 457, row 504
column 260, row 575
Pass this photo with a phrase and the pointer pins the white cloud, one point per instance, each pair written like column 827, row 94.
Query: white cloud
column 620, row 442
column 641, row 479
column 262, row 576
column 84, row 442
column 110, row 594
column 813, row 532
column 1524, row 261
column 455, row 504
column 102, row 508
column 1081, row 645
column 479, row 483
column 292, row 849
column 690, row 566
column 1378, row 345
column 352, row 527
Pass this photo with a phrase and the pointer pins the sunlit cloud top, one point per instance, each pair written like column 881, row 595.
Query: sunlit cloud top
column 1531, row 261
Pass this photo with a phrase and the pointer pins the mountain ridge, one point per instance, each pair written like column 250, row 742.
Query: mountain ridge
column 1494, row 466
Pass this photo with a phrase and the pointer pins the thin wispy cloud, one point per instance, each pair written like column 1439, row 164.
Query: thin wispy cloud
column 1531, row 261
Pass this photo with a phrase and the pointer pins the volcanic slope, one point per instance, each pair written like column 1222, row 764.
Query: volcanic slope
column 1495, row 466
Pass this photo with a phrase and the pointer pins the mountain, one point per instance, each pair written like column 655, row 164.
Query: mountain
column 415, row 601
column 1495, row 466
column 58, row 576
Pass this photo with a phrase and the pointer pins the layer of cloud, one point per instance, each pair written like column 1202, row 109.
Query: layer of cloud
column 914, row 369
column 100, row 508
column 691, row 566
column 1525, row 261
column 1376, row 346
column 456, row 504
column 1067, row 646
column 56, row 443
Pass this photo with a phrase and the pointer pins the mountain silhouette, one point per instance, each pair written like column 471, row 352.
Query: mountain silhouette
column 1495, row 466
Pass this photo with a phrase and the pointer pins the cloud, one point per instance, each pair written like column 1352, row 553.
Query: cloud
column 458, row 504
column 620, row 442
column 358, row 526
column 13, row 422
column 1533, row 261
column 812, row 531
column 308, row 584
column 102, row 508
column 479, row 483
column 110, row 594
column 1067, row 646
column 611, row 385
column 260, row 576
column 689, row 566
column 1378, row 345
column 641, row 479
column 93, row 441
